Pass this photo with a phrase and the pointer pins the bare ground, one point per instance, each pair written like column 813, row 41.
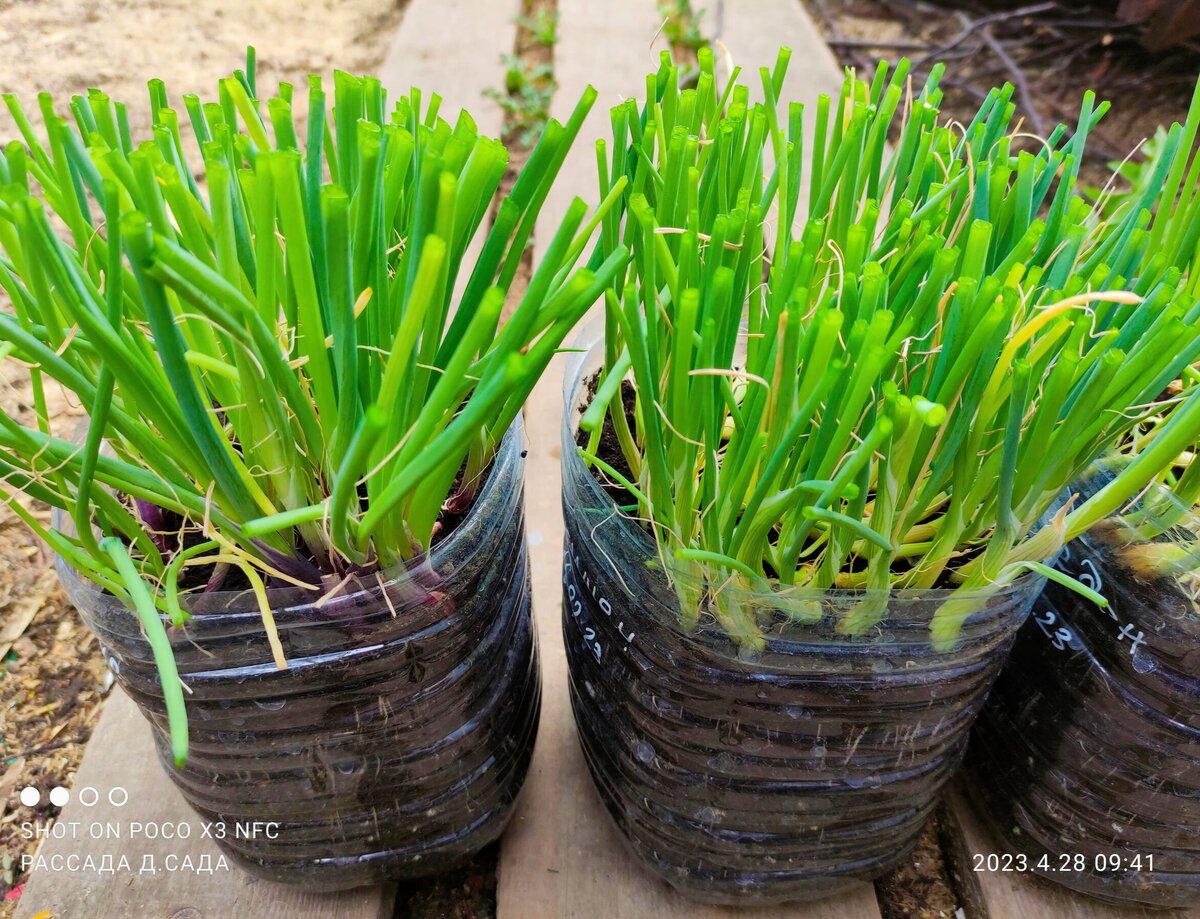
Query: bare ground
column 1052, row 56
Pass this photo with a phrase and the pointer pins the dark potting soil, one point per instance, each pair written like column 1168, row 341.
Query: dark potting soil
column 172, row 534
column 783, row 775
column 1090, row 744
column 396, row 740
column 609, row 448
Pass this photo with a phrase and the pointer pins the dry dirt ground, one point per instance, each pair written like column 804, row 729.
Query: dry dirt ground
column 52, row 678
column 1053, row 55
column 66, row 46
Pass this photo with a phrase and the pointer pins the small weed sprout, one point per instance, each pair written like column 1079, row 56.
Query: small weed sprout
column 528, row 91
column 543, row 26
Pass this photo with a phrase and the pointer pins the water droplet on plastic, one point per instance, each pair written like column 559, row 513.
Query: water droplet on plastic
column 707, row 815
column 819, row 751
column 643, row 752
column 857, row 781
column 723, row 762
column 1143, row 662
column 347, row 767
column 270, row 706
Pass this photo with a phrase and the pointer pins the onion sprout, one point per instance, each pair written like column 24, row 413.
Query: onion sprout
column 280, row 376
column 950, row 338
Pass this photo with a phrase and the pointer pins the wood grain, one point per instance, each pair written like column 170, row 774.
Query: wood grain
column 454, row 48
column 121, row 755
column 753, row 31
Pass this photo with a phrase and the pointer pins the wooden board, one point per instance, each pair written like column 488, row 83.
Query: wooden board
column 611, row 46
column 562, row 857
column 454, row 48
column 753, row 31
column 1001, row 895
column 121, row 756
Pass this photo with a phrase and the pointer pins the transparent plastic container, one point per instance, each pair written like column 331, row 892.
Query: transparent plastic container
column 1086, row 760
column 787, row 774
column 397, row 739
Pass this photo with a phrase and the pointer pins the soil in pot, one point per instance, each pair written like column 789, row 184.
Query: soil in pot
column 785, row 774
column 396, row 741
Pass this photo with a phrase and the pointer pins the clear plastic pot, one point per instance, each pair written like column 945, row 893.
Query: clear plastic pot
column 787, row 774
column 397, row 739
column 1087, row 758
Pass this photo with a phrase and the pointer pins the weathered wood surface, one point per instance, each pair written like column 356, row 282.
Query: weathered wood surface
column 121, row 756
column 454, row 48
column 753, row 31
column 1011, row 895
column 561, row 857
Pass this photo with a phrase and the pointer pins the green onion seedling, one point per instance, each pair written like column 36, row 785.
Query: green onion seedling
column 288, row 366
column 887, row 383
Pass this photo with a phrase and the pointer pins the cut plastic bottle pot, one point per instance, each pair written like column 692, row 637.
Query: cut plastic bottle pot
column 755, row 778
column 396, row 741
column 1086, row 760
